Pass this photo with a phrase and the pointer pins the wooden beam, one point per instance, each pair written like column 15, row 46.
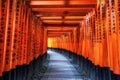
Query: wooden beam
column 65, row 19
column 55, row 34
column 48, row 10
column 64, row 6
column 66, row 2
column 59, row 25
column 49, row 28
column 45, row 14
column 58, row 31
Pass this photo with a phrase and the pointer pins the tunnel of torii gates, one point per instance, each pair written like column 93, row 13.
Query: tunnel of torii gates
column 88, row 28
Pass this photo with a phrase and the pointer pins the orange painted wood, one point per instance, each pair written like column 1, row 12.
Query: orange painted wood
column 20, row 40
column 3, row 27
column 1, row 35
column 16, row 34
column 99, row 36
column 23, row 35
column 117, row 8
column 116, row 65
column 9, row 36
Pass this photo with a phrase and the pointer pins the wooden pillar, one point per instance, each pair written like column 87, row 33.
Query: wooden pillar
column 3, row 29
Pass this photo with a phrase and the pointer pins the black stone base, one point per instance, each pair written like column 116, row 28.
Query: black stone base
column 6, row 76
column 24, row 72
column 0, row 78
column 115, row 76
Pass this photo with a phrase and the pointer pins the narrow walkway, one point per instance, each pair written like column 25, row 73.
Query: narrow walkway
column 60, row 68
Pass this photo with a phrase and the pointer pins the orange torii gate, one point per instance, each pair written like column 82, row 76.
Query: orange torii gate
column 93, row 33
column 98, row 38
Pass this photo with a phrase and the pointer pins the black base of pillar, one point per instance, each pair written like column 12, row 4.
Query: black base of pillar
column 6, row 76
column 13, row 75
column 0, row 78
column 18, row 73
column 115, row 77
column 25, row 72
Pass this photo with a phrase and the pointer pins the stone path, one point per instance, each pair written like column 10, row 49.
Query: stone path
column 60, row 68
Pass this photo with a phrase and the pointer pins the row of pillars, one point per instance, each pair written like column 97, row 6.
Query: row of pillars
column 26, row 72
